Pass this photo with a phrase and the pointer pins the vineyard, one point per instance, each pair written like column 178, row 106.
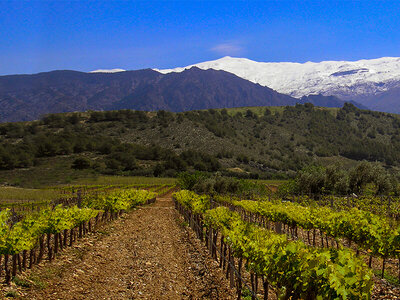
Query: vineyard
column 299, row 251
column 37, row 230
column 376, row 235
column 113, row 234
column 262, row 247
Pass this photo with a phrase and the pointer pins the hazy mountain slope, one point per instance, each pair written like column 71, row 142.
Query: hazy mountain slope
column 327, row 101
column 385, row 101
column 27, row 97
column 199, row 89
column 357, row 80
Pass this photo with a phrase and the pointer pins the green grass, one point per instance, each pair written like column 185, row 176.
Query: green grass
column 37, row 282
column 392, row 279
column 49, row 172
column 57, row 171
column 114, row 180
column 15, row 194
column 22, row 282
column 11, row 294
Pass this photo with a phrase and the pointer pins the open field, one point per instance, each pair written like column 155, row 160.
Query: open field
column 57, row 171
column 48, row 172
column 25, row 199
column 15, row 194
column 21, row 198
column 114, row 180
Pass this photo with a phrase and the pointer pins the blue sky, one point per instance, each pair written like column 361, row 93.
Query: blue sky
column 38, row 36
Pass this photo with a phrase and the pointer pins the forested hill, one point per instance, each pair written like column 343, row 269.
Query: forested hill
column 258, row 141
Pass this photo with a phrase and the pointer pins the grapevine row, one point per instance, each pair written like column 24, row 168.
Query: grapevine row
column 375, row 234
column 384, row 205
column 297, row 270
column 55, row 226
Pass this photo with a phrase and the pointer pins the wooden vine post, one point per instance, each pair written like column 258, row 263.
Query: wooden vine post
column 266, row 288
column 49, row 248
column 239, row 278
column 6, row 269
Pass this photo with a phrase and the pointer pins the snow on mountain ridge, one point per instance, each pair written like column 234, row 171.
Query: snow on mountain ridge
column 346, row 79
column 108, row 71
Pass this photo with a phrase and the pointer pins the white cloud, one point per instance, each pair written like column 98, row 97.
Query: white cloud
column 228, row 49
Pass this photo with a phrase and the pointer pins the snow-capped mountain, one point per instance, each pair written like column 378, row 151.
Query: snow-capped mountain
column 108, row 71
column 365, row 81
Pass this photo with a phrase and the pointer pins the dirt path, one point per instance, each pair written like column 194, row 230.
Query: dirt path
column 148, row 254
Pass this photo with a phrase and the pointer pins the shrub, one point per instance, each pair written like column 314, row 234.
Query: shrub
column 81, row 163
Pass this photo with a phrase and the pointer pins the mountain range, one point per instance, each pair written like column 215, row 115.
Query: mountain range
column 28, row 97
column 374, row 83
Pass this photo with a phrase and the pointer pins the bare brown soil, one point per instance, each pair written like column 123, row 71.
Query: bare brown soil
column 147, row 254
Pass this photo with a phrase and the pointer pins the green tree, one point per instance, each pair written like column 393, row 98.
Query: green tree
column 359, row 177
column 311, row 179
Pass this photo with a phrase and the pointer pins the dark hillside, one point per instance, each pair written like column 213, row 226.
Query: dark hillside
column 327, row 101
column 201, row 89
column 28, row 97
